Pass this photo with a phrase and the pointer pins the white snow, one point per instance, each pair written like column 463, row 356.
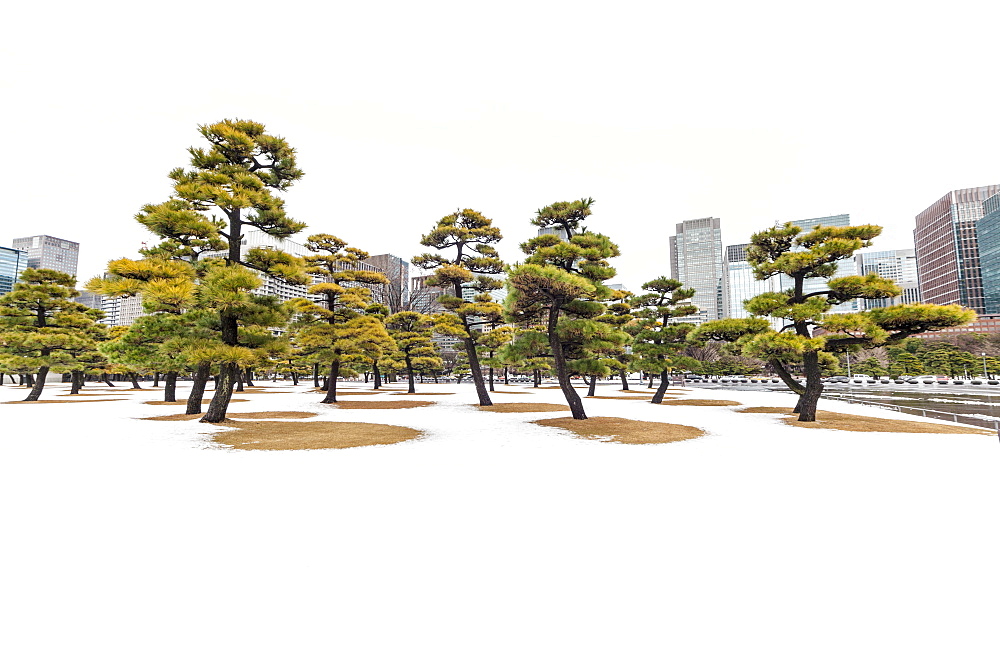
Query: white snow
column 493, row 542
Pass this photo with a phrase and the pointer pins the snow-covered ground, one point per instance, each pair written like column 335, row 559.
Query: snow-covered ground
column 493, row 542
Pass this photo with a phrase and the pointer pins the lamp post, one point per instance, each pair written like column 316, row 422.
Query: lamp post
column 849, row 365
column 985, row 372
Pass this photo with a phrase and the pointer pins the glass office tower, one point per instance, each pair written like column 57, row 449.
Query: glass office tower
column 696, row 261
column 12, row 261
column 947, row 248
column 899, row 266
column 988, row 238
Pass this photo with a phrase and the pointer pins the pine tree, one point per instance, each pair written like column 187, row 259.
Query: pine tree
column 562, row 281
column 469, row 235
column 658, row 338
column 814, row 335
column 412, row 333
column 42, row 328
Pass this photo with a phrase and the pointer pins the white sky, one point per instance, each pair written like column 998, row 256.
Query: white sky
column 402, row 112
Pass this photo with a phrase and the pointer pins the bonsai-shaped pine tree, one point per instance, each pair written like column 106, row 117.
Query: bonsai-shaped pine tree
column 237, row 177
column 42, row 328
column 657, row 337
column 333, row 330
column 412, row 333
column 814, row 336
column 562, row 281
column 619, row 315
column 469, row 235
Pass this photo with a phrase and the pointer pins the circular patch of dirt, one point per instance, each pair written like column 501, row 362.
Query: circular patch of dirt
column 524, row 408
column 638, row 398
column 311, row 435
column 259, row 415
column 61, row 401
column 765, row 409
column 700, row 402
column 846, row 422
column 183, row 402
column 509, row 392
column 381, row 404
column 620, row 430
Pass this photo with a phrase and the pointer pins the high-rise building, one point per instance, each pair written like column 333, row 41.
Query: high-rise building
column 12, row 262
column 740, row 285
column 45, row 252
column 396, row 293
column 899, row 266
column 696, row 261
column 988, row 238
column 947, row 248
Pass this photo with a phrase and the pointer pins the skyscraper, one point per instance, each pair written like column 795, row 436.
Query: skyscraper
column 947, row 249
column 899, row 266
column 988, row 238
column 12, row 261
column 45, row 252
column 696, row 261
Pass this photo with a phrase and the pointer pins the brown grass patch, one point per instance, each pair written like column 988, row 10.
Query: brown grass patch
column 183, row 402
column 61, row 401
column 312, row 435
column 700, row 402
column 509, row 392
column 259, row 415
column 845, row 422
column 620, row 430
column 766, row 409
column 382, row 404
column 640, row 398
column 423, row 394
column 104, row 394
column 524, row 408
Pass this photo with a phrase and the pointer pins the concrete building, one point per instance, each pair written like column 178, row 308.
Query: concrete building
column 948, row 263
column 988, row 239
column 899, row 266
column 696, row 261
column 45, row 252
column 12, row 262
column 395, row 294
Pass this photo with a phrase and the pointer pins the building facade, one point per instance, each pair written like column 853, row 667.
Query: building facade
column 899, row 266
column 988, row 238
column 696, row 261
column 45, row 252
column 12, row 262
column 739, row 283
column 947, row 249
column 396, row 293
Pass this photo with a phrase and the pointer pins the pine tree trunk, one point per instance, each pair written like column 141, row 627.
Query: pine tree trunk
column 170, row 386
column 74, row 380
column 664, row 384
column 409, row 374
column 316, row 375
column 593, row 386
column 624, row 380
column 229, row 371
column 134, row 377
column 249, row 377
column 377, row 375
column 38, row 385
column 295, row 378
column 492, row 389
column 331, row 384
column 156, row 379
column 29, row 380
column 650, row 376
column 476, row 369
column 201, row 376
column 239, row 379
column 506, row 375
column 562, row 372
column 814, row 387
column 538, row 377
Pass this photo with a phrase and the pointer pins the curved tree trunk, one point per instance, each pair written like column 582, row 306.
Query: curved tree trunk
column 650, row 377
column 239, row 379
column 134, row 377
column 624, row 380
column 814, row 387
column 331, row 384
column 475, row 369
column 593, row 386
column 248, row 375
column 201, row 376
column 104, row 377
column 664, row 384
column 38, row 385
column 170, row 386
column 223, row 393
column 562, row 372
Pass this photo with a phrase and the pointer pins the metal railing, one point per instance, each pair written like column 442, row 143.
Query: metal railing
column 989, row 423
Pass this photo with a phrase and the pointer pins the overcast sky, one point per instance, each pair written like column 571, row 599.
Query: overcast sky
column 402, row 112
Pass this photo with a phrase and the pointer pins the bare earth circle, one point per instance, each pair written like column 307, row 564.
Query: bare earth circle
column 259, row 415
column 312, row 435
column 620, row 430
column 524, row 408
column 844, row 422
